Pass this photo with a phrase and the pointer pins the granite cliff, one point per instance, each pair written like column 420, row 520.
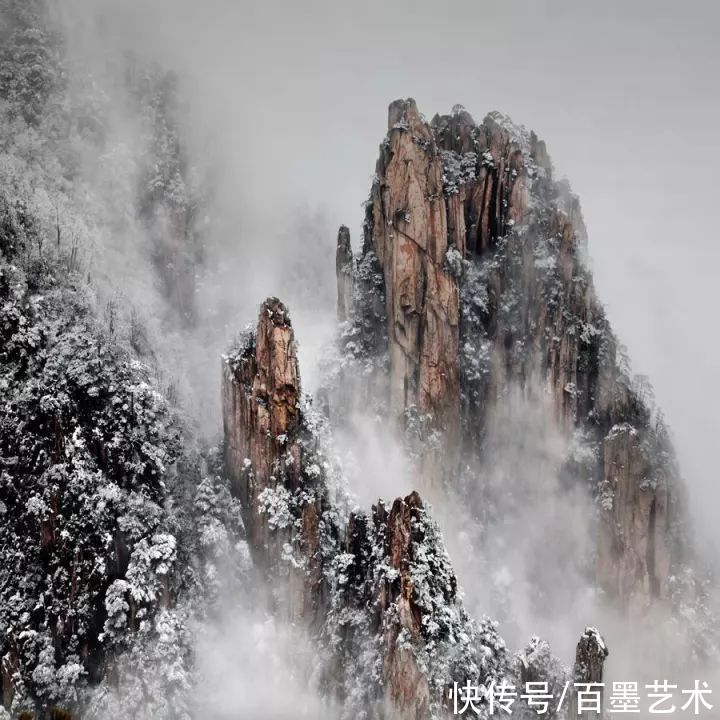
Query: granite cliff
column 376, row 589
column 472, row 286
column 480, row 284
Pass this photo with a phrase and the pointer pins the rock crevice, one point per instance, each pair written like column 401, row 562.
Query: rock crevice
column 377, row 591
column 482, row 257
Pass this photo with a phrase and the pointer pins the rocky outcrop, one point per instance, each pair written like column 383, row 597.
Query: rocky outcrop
column 264, row 457
column 344, row 273
column 407, row 230
column 590, row 656
column 441, row 193
column 262, row 392
column 482, row 260
column 471, row 283
column 377, row 591
column 634, row 555
column 485, row 179
column 408, row 685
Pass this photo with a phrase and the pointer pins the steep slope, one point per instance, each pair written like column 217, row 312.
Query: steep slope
column 114, row 516
column 118, row 526
column 479, row 286
column 377, row 590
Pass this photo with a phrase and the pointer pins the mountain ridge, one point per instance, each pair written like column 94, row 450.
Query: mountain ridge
column 472, row 280
column 467, row 316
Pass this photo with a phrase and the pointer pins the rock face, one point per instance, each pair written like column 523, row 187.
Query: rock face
column 481, row 257
column 264, row 456
column 377, row 591
column 344, row 273
column 410, row 238
column 590, row 659
column 634, row 555
column 262, row 391
column 471, row 286
column 485, row 179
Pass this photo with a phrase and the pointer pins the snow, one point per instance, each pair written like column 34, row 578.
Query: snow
column 279, row 506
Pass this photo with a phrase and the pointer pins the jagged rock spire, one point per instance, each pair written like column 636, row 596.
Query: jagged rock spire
column 482, row 260
column 263, row 368
column 261, row 392
column 409, row 236
column 590, row 659
column 344, row 273
column 378, row 592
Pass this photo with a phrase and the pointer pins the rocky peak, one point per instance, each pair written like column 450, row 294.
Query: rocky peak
column 261, row 416
column 471, row 284
column 378, row 590
column 344, row 273
column 481, row 257
column 590, row 659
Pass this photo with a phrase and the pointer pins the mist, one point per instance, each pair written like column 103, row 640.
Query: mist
column 288, row 103
column 285, row 106
column 252, row 664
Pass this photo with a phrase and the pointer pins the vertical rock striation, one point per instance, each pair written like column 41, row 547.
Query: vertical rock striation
column 590, row 657
column 377, row 591
column 264, row 458
column 344, row 274
column 482, row 261
column 260, row 412
column 634, row 558
column 407, row 229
